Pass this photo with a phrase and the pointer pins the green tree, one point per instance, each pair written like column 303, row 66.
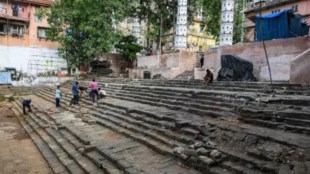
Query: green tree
column 128, row 48
column 160, row 14
column 85, row 28
column 238, row 28
column 212, row 16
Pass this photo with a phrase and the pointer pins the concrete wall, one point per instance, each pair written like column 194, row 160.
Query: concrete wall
column 280, row 52
column 300, row 68
column 30, row 59
column 168, row 65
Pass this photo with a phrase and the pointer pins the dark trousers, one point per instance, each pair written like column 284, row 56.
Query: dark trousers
column 93, row 93
column 75, row 99
column 24, row 108
column 57, row 102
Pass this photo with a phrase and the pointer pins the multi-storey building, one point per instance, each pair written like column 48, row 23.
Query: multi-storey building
column 262, row 7
column 23, row 43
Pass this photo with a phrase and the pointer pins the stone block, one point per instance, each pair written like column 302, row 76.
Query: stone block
column 203, row 151
column 205, row 160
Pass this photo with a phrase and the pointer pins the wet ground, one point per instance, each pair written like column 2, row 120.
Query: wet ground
column 18, row 154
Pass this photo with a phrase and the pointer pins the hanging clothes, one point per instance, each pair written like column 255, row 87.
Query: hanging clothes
column 15, row 8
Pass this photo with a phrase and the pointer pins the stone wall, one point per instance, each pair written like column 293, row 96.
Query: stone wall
column 280, row 52
column 300, row 68
column 168, row 65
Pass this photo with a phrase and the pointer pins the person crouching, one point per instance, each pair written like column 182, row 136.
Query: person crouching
column 102, row 93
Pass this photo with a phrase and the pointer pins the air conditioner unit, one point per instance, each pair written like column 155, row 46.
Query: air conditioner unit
column 14, row 31
column 42, row 34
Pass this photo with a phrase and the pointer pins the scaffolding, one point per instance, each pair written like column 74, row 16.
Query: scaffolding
column 44, row 63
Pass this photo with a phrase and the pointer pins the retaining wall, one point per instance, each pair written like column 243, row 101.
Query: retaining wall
column 168, row 65
column 300, row 68
column 281, row 52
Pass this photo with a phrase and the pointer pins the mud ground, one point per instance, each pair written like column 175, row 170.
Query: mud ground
column 18, row 154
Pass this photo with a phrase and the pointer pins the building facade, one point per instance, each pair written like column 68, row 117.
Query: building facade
column 257, row 7
column 23, row 43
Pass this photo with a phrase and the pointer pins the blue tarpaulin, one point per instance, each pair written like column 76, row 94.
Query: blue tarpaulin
column 5, row 78
column 283, row 24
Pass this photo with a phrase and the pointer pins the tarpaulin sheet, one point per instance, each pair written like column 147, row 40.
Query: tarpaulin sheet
column 235, row 68
column 284, row 24
column 5, row 78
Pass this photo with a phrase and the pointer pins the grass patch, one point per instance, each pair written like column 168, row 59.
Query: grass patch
column 11, row 99
column 2, row 98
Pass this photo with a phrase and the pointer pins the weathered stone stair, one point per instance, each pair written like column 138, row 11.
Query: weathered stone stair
column 243, row 159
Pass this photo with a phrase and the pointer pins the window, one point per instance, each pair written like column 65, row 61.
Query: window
column 42, row 32
column 295, row 8
column 3, row 28
column 16, row 30
column 15, row 9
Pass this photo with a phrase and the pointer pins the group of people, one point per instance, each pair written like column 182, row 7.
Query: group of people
column 95, row 93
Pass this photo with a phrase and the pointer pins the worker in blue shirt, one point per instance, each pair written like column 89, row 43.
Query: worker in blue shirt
column 75, row 92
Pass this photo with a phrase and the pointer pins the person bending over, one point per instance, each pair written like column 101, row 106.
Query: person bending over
column 26, row 104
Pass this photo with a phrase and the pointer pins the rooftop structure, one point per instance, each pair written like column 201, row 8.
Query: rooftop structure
column 257, row 7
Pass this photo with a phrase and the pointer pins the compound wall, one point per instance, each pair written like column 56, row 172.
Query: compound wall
column 281, row 52
column 31, row 59
column 168, row 65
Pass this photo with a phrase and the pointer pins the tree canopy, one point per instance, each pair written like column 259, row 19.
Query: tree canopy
column 128, row 47
column 84, row 28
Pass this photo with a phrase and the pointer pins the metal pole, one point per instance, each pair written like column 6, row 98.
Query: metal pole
column 264, row 45
column 160, row 31
column 242, row 22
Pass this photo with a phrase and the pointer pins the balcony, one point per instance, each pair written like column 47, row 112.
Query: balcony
column 8, row 13
column 265, row 4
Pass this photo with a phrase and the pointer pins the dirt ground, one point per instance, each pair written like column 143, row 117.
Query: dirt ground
column 18, row 154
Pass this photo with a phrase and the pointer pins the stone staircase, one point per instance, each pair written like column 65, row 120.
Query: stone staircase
column 157, row 126
column 184, row 125
column 187, row 75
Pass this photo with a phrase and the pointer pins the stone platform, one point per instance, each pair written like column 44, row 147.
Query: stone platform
column 159, row 126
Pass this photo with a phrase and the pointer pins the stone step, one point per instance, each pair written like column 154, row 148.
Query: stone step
column 238, row 168
column 150, row 143
column 106, row 165
column 67, row 146
column 119, row 120
column 141, row 123
column 61, row 154
column 155, row 145
column 264, row 169
column 55, row 164
column 186, row 102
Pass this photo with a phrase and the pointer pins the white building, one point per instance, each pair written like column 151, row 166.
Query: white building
column 227, row 22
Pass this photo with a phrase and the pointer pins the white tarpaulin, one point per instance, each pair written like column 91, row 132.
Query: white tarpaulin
column 5, row 78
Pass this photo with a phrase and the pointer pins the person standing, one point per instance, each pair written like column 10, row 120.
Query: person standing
column 75, row 92
column 58, row 96
column 94, row 90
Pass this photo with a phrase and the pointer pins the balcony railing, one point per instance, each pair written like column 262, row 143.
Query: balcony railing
column 10, row 14
column 265, row 3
